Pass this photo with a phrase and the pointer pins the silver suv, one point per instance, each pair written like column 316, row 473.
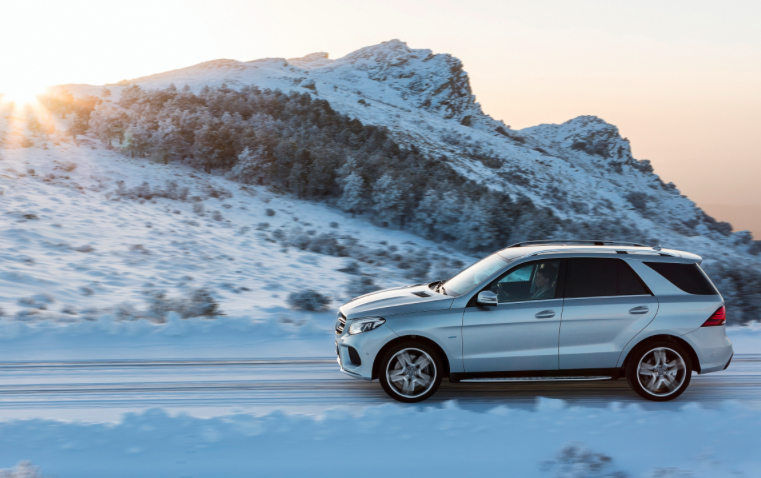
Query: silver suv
column 544, row 310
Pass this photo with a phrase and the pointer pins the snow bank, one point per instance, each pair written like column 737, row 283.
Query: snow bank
column 223, row 338
column 383, row 441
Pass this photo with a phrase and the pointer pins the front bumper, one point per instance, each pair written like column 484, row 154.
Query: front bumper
column 367, row 346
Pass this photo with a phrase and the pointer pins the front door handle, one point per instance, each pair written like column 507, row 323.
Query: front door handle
column 642, row 309
column 545, row 314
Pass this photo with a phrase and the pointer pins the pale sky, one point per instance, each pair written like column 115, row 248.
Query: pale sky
column 681, row 79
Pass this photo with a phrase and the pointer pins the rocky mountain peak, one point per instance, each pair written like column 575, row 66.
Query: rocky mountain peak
column 434, row 82
column 313, row 60
column 587, row 134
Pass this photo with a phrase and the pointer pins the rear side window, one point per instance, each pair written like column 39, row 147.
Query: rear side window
column 629, row 282
column 602, row 278
column 688, row 277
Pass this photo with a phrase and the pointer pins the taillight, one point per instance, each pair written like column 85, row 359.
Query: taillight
column 718, row 318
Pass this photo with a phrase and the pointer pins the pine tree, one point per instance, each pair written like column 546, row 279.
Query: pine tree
column 251, row 165
column 426, row 213
column 354, row 197
column 77, row 125
column 387, row 199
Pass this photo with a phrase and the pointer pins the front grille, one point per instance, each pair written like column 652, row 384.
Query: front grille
column 340, row 324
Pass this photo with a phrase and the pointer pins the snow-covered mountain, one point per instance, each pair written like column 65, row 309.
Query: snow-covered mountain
column 582, row 169
column 582, row 172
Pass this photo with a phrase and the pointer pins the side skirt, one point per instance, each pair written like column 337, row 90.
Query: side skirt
column 539, row 375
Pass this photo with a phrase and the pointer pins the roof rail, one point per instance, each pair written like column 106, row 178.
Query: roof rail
column 577, row 241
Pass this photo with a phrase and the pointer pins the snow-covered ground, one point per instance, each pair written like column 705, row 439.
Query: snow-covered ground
column 550, row 440
column 80, row 247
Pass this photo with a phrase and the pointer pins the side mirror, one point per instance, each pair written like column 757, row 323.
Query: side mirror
column 487, row 297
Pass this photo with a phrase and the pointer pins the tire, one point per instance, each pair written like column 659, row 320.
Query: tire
column 647, row 375
column 402, row 376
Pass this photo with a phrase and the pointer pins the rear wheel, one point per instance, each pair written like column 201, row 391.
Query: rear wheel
column 659, row 371
column 410, row 372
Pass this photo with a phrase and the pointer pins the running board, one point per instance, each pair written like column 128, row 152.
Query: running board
column 535, row 379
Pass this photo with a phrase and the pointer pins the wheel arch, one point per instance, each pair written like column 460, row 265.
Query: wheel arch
column 672, row 338
column 413, row 338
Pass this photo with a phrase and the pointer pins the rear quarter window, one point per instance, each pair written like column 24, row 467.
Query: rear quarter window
column 688, row 277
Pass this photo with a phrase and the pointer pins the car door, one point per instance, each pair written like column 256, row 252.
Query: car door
column 520, row 332
column 606, row 305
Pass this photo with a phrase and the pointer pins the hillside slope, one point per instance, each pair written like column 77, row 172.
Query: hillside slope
column 582, row 169
column 88, row 232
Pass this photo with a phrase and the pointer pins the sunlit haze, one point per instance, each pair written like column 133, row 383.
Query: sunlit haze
column 680, row 79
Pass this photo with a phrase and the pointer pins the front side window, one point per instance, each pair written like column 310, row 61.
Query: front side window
column 474, row 275
column 589, row 277
column 533, row 281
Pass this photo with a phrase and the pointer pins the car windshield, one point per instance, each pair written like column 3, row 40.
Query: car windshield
column 474, row 275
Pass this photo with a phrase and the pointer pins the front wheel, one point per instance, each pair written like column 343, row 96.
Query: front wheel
column 410, row 372
column 659, row 371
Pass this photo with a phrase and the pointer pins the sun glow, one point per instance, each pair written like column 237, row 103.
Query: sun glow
column 21, row 94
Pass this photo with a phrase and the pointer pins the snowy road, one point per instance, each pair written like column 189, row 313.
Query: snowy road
column 102, row 391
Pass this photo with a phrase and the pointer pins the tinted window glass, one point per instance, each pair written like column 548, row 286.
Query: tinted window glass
column 592, row 278
column 534, row 281
column 688, row 277
column 628, row 281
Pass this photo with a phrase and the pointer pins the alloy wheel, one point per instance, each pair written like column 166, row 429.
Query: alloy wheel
column 661, row 371
column 411, row 372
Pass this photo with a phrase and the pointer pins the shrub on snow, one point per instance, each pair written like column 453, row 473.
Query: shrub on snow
column 309, row 300
column 171, row 190
column 361, row 285
column 576, row 461
column 24, row 469
column 198, row 303
column 351, row 268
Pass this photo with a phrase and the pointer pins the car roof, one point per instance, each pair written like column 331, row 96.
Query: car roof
column 633, row 251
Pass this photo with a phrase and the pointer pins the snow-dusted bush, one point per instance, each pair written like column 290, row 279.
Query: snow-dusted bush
column 300, row 241
column 24, row 469
column 351, row 268
column 68, row 166
column 418, row 270
column 201, row 304
column 361, row 285
column 325, row 244
column 217, row 192
column 577, row 461
column 197, row 303
column 171, row 190
column 638, row 200
column 309, row 300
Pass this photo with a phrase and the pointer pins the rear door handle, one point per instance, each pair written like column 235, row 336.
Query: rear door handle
column 642, row 309
column 545, row 314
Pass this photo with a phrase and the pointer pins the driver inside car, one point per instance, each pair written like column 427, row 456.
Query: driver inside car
column 544, row 283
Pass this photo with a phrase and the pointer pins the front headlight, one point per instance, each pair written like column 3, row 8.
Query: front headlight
column 365, row 325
